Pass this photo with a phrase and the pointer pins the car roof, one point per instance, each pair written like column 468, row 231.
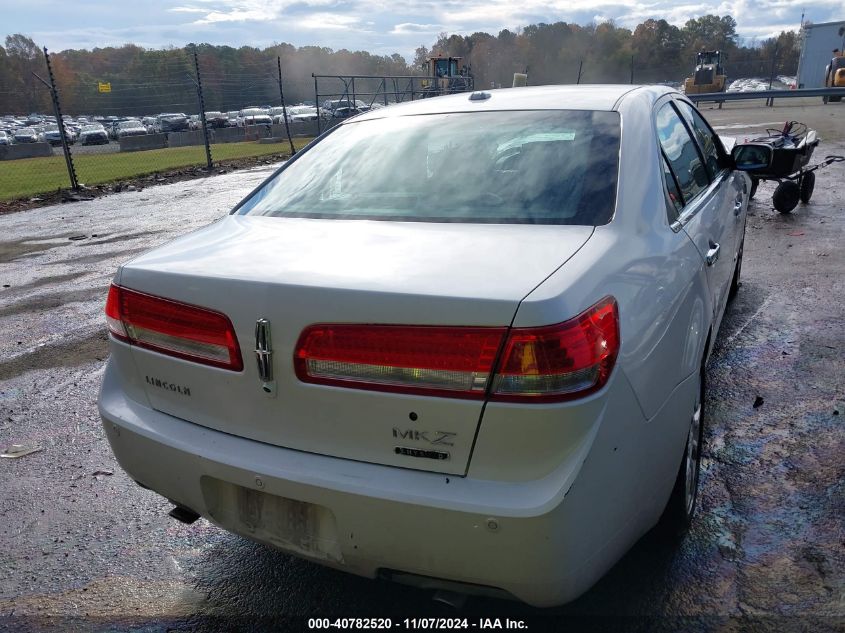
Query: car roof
column 569, row 97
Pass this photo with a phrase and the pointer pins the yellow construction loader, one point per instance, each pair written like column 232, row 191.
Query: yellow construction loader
column 709, row 75
column 834, row 77
column 445, row 76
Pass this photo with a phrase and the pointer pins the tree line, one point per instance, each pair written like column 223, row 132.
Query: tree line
column 655, row 51
column 149, row 81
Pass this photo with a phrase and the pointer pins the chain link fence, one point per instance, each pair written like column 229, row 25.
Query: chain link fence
column 188, row 112
column 174, row 120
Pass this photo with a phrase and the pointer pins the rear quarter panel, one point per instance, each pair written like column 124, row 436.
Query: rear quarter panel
column 654, row 273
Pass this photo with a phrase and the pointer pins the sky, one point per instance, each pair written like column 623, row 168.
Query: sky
column 378, row 26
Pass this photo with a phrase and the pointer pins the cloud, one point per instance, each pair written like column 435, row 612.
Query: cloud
column 329, row 21
column 380, row 26
column 223, row 11
column 236, row 15
column 413, row 27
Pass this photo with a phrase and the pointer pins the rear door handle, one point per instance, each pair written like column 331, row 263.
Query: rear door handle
column 713, row 254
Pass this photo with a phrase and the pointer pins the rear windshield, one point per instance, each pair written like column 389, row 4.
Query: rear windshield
column 520, row 167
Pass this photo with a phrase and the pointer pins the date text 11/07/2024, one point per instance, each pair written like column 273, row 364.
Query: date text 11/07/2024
column 417, row 623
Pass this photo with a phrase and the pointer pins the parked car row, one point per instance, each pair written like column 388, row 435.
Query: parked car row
column 94, row 134
column 37, row 128
column 345, row 108
column 89, row 130
column 24, row 129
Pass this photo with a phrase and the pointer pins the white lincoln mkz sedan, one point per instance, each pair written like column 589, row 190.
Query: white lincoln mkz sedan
column 458, row 342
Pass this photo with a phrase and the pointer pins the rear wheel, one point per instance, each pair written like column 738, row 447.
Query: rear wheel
column 681, row 507
column 786, row 196
column 808, row 183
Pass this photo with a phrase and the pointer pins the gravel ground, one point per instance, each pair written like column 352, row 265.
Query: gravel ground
column 87, row 550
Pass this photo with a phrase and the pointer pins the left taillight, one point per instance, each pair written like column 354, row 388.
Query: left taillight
column 173, row 328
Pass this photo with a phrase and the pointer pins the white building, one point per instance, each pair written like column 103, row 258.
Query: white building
column 817, row 44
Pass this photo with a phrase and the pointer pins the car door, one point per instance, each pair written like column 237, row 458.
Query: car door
column 734, row 186
column 702, row 202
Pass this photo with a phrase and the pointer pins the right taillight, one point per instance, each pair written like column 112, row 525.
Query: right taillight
column 559, row 362
column 544, row 364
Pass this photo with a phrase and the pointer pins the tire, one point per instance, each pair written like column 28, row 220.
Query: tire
column 786, row 196
column 824, row 99
column 682, row 504
column 755, row 182
column 808, row 183
column 835, row 99
column 735, row 282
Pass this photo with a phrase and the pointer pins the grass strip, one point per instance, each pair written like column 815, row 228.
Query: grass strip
column 31, row 176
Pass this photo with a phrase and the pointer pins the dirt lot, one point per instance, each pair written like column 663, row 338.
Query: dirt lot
column 87, row 550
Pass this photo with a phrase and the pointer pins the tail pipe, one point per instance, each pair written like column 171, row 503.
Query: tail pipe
column 184, row 515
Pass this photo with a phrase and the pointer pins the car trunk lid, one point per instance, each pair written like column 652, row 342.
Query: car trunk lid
column 294, row 273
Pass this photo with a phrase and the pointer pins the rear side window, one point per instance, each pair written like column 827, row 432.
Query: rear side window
column 507, row 167
column 672, row 191
column 681, row 152
column 707, row 139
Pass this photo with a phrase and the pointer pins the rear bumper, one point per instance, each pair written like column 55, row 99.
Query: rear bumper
column 522, row 538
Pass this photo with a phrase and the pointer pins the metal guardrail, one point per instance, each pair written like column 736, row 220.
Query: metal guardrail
column 768, row 95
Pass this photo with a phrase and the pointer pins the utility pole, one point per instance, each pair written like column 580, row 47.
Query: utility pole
column 632, row 69
column 770, row 101
column 317, row 103
column 54, row 93
column 201, row 100
column 285, row 108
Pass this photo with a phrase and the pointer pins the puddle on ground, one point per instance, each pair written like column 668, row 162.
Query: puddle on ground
column 99, row 257
column 11, row 251
column 42, row 281
column 42, row 303
column 126, row 238
column 63, row 353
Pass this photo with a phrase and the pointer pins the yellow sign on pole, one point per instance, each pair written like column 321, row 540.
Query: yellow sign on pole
column 104, row 87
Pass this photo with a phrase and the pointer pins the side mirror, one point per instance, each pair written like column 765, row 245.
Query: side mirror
column 752, row 156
